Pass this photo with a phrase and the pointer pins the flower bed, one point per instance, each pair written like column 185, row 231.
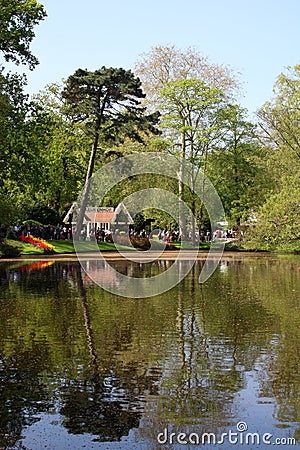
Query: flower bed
column 37, row 242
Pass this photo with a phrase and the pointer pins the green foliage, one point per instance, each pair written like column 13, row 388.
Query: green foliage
column 41, row 153
column 13, row 108
column 139, row 221
column 21, row 140
column 108, row 101
column 278, row 218
column 278, row 225
column 17, row 20
column 190, row 110
column 63, row 177
column 42, row 213
column 279, row 118
column 8, row 211
column 63, row 151
column 237, row 166
column 9, row 249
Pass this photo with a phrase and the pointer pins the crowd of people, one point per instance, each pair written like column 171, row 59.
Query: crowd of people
column 98, row 234
column 65, row 232
column 204, row 236
column 47, row 232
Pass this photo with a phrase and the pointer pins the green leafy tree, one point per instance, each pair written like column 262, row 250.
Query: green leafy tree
column 139, row 221
column 7, row 211
column 14, row 107
column 237, row 166
column 17, row 21
column 66, row 155
column 190, row 120
column 165, row 64
column 279, row 118
column 108, row 101
column 177, row 78
column 278, row 225
column 278, row 218
column 23, row 157
column 62, row 152
column 42, row 213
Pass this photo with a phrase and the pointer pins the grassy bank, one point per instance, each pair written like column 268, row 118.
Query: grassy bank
column 16, row 248
column 12, row 248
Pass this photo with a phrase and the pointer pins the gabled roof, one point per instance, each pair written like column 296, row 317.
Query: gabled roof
column 102, row 215
column 99, row 216
column 122, row 211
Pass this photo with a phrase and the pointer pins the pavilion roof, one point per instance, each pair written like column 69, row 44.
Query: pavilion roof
column 98, row 216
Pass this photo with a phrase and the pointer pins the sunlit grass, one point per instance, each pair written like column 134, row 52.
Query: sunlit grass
column 65, row 247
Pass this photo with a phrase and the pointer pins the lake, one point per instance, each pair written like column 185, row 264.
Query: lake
column 207, row 364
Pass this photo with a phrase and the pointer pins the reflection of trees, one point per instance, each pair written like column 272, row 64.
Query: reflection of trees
column 280, row 379
column 22, row 395
column 87, row 411
column 43, row 278
column 4, row 275
column 187, row 351
column 206, row 379
column 98, row 394
column 222, row 328
column 104, row 404
column 88, row 328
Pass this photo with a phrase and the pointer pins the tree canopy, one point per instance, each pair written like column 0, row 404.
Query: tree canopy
column 192, row 112
column 278, row 223
column 17, row 21
column 108, row 102
column 164, row 64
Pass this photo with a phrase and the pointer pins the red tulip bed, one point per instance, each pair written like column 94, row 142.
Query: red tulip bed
column 37, row 242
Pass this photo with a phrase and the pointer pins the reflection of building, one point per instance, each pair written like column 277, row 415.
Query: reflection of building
column 99, row 272
column 100, row 217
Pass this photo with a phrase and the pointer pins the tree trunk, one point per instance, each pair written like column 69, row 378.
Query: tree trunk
column 193, row 225
column 201, row 211
column 86, row 189
column 89, row 333
column 182, row 218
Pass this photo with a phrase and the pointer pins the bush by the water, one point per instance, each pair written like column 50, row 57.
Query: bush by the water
column 139, row 242
column 8, row 250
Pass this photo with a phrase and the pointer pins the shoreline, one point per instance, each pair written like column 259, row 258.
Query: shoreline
column 144, row 256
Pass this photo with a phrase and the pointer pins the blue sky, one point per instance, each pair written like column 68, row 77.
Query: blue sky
column 257, row 38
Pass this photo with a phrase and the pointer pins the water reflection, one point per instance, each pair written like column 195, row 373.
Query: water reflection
column 199, row 357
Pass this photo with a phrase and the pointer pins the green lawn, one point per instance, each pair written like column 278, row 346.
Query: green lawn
column 60, row 247
column 187, row 245
column 67, row 247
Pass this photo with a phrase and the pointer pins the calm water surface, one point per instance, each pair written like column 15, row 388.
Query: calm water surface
column 81, row 368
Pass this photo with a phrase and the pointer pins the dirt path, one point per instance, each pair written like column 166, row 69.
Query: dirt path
column 185, row 255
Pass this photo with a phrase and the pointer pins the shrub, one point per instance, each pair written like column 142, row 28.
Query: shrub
column 9, row 251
